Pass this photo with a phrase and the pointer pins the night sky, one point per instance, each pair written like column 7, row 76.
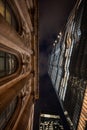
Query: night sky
column 53, row 15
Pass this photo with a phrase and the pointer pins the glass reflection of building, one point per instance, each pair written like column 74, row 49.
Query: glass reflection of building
column 68, row 75
column 50, row 122
column 8, row 64
column 18, row 63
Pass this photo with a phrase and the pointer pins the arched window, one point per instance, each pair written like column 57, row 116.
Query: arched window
column 8, row 64
column 7, row 12
column 6, row 115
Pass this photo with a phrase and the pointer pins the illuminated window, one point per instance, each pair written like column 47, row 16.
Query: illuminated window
column 8, row 64
column 68, row 40
column 8, row 14
column 2, row 8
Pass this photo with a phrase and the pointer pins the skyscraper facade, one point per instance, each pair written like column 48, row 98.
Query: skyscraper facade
column 67, row 67
column 18, row 63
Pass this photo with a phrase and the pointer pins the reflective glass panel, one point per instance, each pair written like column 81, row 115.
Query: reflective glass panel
column 8, row 63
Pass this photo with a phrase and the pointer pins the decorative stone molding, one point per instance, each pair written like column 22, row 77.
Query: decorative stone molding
column 26, row 36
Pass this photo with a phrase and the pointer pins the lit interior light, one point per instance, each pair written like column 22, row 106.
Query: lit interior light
column 50, row 116
column 54, row 44
column 55, row 41
column 60, row 33
column 58, row 36
column 66, row 113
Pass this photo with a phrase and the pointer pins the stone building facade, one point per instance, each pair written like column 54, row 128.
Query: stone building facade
column 18, row 63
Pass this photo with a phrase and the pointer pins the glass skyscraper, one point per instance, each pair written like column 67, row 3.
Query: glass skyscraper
column 68, row 65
